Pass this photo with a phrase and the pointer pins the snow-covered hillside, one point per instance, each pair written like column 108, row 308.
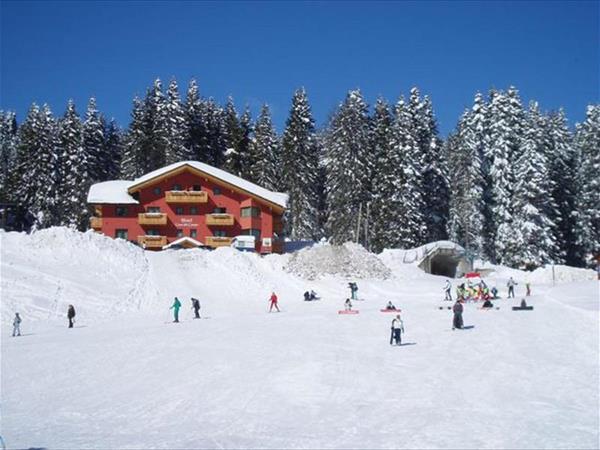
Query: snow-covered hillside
column 126, row 377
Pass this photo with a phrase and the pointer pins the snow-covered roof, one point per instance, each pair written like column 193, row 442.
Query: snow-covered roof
column 277, row 198
column 114, row 191
column 183, row 239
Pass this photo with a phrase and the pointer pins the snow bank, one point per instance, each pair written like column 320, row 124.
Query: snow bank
column 44, row 272
column 349, row 261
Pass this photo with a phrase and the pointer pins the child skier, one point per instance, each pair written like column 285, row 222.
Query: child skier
column 390, row 306
column 175, row 307
column 397, row 330
column 196, row 307
column 448, row 291
column 457, row 321
column 528, row 287
column 348, row 305
column 273, row 301
column 17, row 325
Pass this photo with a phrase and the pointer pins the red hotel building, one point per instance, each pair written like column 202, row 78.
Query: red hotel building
column 190, row 204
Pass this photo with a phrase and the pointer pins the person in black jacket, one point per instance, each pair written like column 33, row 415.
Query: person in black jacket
column 71, row 315
column 457, row 322
column 196, row 307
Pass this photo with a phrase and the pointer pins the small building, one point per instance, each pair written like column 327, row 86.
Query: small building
column 444, row 258
column 188, row 204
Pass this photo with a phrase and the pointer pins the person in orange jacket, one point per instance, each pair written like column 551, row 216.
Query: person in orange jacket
column 273, row 301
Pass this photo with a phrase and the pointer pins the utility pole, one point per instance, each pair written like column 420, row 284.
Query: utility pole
column 358, row 223
column 367, row 227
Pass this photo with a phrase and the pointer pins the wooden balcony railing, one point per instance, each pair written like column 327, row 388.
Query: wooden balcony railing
column 219, row 219
column 217, row 241
column 148, row 241
column 186, row 197
column 152, row 219
column 96, row 223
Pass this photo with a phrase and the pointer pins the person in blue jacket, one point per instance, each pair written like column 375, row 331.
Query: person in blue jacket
column 175, row 307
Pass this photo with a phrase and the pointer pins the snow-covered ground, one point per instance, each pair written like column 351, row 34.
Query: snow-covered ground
column 125, row 377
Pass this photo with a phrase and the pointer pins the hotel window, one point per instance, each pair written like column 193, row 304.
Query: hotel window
column 252, row 211
column 197, row 187
column 153, row 209
column 220, row 233
column 121, row 234
column 179, row 233
column 217, row 191
column 177, row 187
column 252, row 232
column 179, row 210
column 193, row 210
column 219, row 210
column 193, row 233
column 156, row 191
column 121, row 211
column 153, row 233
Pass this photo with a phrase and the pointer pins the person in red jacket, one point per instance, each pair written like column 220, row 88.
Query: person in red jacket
column 273, row 301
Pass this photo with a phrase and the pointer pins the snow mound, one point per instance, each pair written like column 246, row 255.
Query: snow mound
column 349, row 261
column 44, row 272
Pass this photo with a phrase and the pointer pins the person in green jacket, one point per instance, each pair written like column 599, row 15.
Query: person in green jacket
column 175, row 308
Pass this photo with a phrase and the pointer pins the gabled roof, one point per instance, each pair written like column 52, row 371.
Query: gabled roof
column 277, row 198
column 114, row 191
column 184, row 240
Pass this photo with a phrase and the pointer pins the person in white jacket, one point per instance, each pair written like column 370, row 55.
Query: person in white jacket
column 397, row 330
column 448, row 290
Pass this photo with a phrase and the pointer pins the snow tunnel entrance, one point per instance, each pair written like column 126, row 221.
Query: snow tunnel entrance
column 444, row 265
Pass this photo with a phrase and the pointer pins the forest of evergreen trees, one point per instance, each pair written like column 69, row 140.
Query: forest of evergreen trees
column 512, row 184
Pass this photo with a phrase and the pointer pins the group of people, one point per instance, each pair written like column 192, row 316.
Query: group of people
column 310, row 296
column 470, row 291
column 176, row 306
column 17, row 320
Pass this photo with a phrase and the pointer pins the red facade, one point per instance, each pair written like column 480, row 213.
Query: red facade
column 196, row 205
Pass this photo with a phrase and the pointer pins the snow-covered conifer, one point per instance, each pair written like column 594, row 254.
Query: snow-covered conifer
column 264, row 170
column 176, row 127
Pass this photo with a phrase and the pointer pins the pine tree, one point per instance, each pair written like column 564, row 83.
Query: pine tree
column 176, row 127
column 411, row 225
column 197, row 134
column 505, row 135
column 349, row 167
column 136, row 152
column 8, row 150
column 34, row 181
column 113, row 149
column 433, row 166
column 464, row 151
column 78, row 165
column 587, row 144
column 234, row 134
column 93, row 142
column 299, row 163
column 386, row 179
column 264, row 170
column 156, row 126
column 245, row 144
column 532, row 241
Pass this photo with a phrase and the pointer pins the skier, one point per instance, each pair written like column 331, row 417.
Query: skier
column 511, row 287
column 390, row 306
column 196, row 307
column 528, row 287
column 313, row 295
column 494, row 293
column 17, row 325
column 348, row 305
column 523, row 303
column 448, row 290
column 71, row 315
column 353, row 289
column 273, row 301
column 458, row 320
column 175, row 307
column 307, row 296
column 397, row 330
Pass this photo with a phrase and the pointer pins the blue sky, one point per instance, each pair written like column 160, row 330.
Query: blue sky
column 262, row 51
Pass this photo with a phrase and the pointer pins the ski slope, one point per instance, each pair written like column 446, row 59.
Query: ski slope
column 126, row 377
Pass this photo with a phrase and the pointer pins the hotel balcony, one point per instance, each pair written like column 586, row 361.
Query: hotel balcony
column 219, row 220
column 186, row 197
column 152, row 219
column 216, row 241
column 147, row 241
column 96, row 223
